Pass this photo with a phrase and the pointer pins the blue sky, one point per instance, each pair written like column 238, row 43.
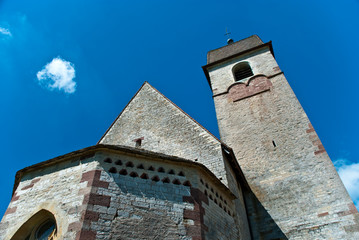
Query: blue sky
column 100, row 53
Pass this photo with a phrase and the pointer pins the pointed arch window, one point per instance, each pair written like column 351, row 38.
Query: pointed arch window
column 41, row 226
column 241, row 71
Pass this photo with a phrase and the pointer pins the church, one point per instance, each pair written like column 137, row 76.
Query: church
column 156, row 173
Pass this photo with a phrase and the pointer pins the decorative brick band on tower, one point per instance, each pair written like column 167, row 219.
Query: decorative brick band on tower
column 294, row 182
column 158, row 174
column 254, row 86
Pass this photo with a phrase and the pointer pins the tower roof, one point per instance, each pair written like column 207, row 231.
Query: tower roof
column 233, row 49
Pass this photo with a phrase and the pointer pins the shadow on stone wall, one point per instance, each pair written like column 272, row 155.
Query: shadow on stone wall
column 146, row 204
column 261, row 223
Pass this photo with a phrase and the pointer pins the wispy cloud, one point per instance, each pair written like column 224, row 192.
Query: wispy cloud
column 58, row 74
column 5, row 31
column 349, row 173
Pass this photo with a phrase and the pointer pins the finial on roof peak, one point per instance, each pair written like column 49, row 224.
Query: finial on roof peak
column 229, row 40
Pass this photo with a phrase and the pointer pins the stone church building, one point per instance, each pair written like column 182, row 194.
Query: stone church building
column 156, row 173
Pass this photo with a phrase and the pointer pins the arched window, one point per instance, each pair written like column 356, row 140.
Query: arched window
column 46, row 230
column 241, row 71
column 41, row 226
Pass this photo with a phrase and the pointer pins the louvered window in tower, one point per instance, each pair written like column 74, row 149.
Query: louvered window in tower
column 242, row 71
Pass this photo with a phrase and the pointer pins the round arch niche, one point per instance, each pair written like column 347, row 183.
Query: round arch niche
column 41, row 225
column 242, row 71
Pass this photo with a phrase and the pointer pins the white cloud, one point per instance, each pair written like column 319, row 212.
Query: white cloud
column 58, row 74
column 5, row 31
column 349, row 173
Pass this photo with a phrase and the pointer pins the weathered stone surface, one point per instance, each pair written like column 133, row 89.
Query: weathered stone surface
column 166, row 129
column 89, row 201
column 281, row 156
column 190, row 186
column 54, row 189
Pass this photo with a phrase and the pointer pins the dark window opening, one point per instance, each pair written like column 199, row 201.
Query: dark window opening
column 176, row 181
column 171, row 171
column 113, row 170
column 155, row 178
column 41, row 225
column 187, row 184
column 133, row 174
column 138, row 142
column 144, row 176
column 118, row 162
column 46, row 230
column 242, row 71
column 129, row 164
column 166, row 180
column 123, row 172
column 140, row 166
column 181, row 174
column 160, row 169
column 275, row 145
column 108, row 160
column 151, row 168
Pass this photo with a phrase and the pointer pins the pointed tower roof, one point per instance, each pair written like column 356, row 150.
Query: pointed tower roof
column 152, row 122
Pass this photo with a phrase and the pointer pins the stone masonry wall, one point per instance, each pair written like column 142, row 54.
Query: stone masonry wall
column 156, row 200
column 239, row 204
column 280, row 154
column 57, row 189
column 110, row 195
column 162, row 127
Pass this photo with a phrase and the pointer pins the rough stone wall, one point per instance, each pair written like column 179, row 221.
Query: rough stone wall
column 221, row 216
column 164, row 128
column 110, row 195
column 156, row 200
column 57, row 189
column 280, row 154
column 239, row 203
column 222, row 77
column 262, row 225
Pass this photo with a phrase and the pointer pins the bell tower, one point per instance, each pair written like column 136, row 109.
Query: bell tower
column 276, row 146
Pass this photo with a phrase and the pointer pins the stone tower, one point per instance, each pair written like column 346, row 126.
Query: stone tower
column 282, row 158
column 156, row 173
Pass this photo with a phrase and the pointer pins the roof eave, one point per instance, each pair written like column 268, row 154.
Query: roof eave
column 89, row 151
